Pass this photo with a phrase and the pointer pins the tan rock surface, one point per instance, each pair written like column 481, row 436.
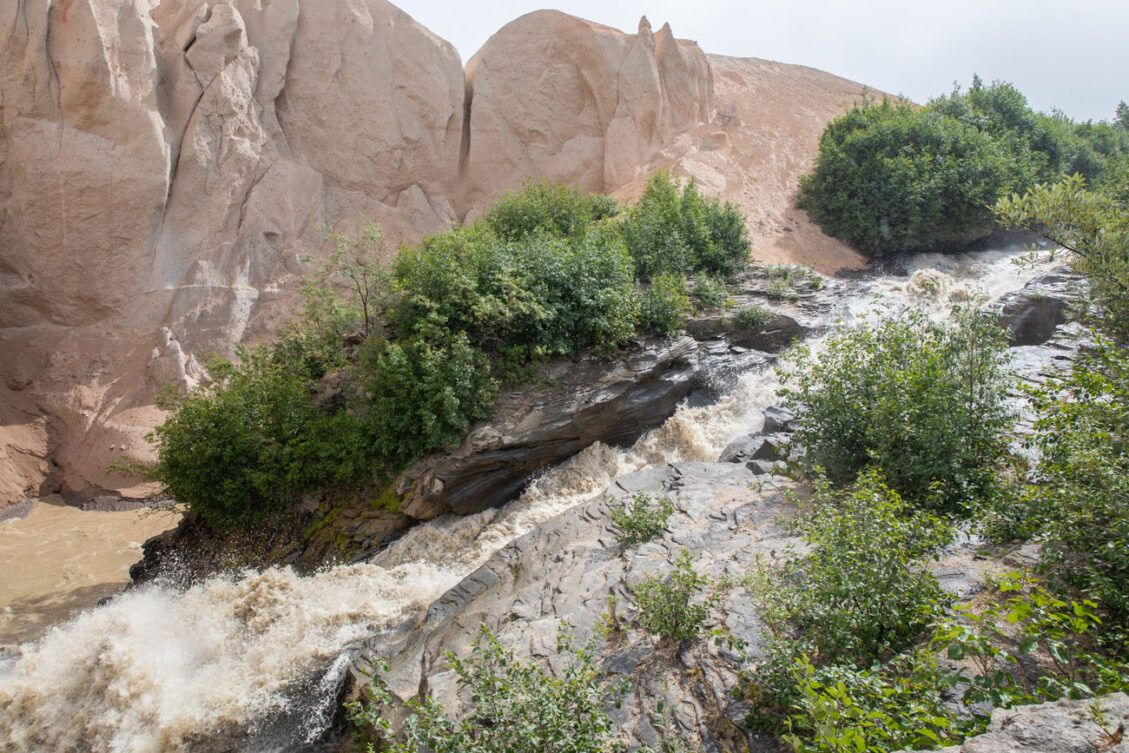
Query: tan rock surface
column 568, row 100
column 166, row 166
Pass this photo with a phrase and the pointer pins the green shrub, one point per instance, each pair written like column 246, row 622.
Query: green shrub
column 654, row 233
column 1078, row 499
column 670, row 606
column 753, row 318
column 859, row 593
column 902, row 706
column 514, row 706
column 665, row 304
column 422, row 396
column 239, row 448
column 711, row 292
column 923, row 401
column 668, row 231
column 545, row 208
column 1030, row 646
column 542, row 296
column 1094, row 228
column 895, row 177
column 642, row 519
column 891, row 177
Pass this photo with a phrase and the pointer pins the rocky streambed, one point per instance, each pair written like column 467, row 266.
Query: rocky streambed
column 257, row 660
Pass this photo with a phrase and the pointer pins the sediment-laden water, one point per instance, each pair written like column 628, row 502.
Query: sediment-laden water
column 228, row 663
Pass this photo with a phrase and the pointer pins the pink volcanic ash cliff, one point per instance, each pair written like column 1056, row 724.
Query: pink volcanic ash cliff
column 166, row 166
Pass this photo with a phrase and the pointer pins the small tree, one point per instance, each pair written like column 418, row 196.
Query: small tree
column 357, row 264
column 924, row 401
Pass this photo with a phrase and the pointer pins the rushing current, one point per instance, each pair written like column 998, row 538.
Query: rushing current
column 222, row 665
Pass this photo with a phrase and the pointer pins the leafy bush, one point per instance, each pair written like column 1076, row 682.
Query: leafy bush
column 665, row 304
column 422, row 396
column 642, row 520
column 669, row 605
column 894, row 177
column 891, row 177
column 753, row 318
column 923, row 401
column 1078, row 499
column 1048, row 649
column 710, row 291
column 515, row 706
column 544, row 296
column 860, row 593
column 545, row 208
column 902, row 706
column 668, row 231
column 237, row 448
column 1093, row 228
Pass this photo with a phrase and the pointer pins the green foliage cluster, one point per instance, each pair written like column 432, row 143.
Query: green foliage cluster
column 642, row 519
column 921, row 400
column 753, row 318
column 674, row 605
column 857, row 627
column 860, row 592
column 711, row 292
column 896, row 177
column 1077, row 502
column 515, row 706
column 1093, row 227
column 665, row 304
column 546, row 208
column 669, row 231
column 238, row 444
column 389, row 363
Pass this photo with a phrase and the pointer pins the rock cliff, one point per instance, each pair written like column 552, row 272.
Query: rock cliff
column 167, row 166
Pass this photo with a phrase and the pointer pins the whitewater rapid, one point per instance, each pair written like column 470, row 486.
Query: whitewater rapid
column 228, row 663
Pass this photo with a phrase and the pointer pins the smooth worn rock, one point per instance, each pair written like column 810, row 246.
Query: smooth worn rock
column 567, row 568
column 777, row 420
column 535, row 427
column 1058, row 727
column 559, row 98
column 1032, row 314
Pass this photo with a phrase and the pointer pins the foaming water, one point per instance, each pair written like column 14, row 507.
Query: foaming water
column 224, row 664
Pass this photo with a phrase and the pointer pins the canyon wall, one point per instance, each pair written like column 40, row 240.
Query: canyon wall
column 168, row 167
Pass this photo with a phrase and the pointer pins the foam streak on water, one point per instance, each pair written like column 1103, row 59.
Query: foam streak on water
column 160, row 670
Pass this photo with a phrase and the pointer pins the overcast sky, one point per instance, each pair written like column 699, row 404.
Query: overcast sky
column 1070, row 54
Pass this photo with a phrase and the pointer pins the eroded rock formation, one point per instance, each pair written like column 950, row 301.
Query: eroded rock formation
column 166, row 167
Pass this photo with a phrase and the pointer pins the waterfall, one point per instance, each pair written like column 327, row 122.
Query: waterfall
column 226, row 663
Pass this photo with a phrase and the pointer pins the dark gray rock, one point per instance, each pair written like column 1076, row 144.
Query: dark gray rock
column 576, row 404
column 777, row 419
column 1032, row 314
column 771, row 448
column 741, row 449
column 761, row 467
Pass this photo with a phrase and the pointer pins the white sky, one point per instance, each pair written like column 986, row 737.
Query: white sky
column 1070, row 54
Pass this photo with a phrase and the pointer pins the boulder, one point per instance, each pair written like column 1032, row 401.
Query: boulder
column 1032, row 314
column 577, row 404
column 1058, row 727
column 777, row 420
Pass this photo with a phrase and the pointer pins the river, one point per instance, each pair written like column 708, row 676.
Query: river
column 228, row 663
